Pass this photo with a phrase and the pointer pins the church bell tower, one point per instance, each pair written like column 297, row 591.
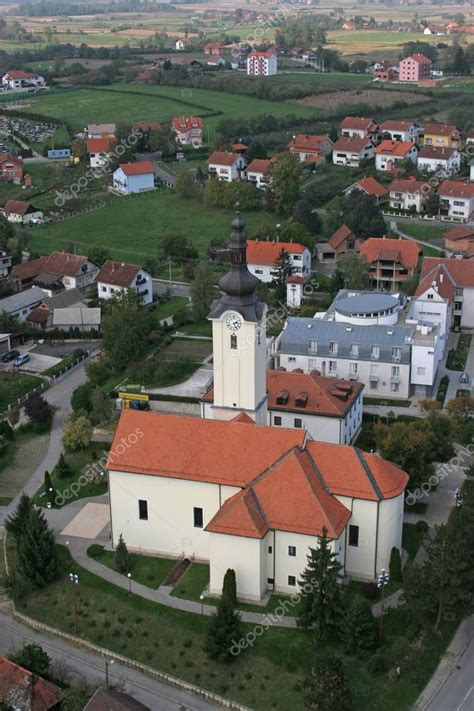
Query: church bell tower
column 239, row 338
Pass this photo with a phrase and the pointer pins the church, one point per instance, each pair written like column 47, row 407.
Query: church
column 236, row 491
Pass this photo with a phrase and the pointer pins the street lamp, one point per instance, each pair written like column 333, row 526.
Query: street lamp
column 74, row 578
column 382, row 581
column 107, row 662
column 129, row 576
column 201, row 597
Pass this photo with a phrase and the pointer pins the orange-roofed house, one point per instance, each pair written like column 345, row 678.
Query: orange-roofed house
column 11, row 168
column 389, row 153
column 456, row 199
column 226, row 165
column 441, row 135
column 19, row 79
column 239, row 489
column 343, row 241
column 357, row 127
column 408, row 194
column 258, row 172
column 460, row 239
column 21, row 689
column 305, row 147
column 451, row 281
column 262, row 64
column 98, row 150
column 400, row 130
column 188, row 130
column 391, row 261
column 134, row 177
column 415, row 68
column 351, row 151
column 261, row 256
column 369, row 186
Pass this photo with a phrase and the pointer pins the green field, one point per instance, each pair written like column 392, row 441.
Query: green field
column 426, row 233
column 132, row 227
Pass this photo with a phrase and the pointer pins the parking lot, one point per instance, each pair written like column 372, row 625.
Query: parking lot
column 38, row 362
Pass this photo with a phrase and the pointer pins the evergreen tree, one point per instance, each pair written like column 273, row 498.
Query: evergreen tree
column 359, row 626
column 282, row 269
column 202, row 290
column 37, row 553
column 224, row 631
column 101, row 406
column 395, row 565
column 37, row 409
column 49, row 488
column 34, row 658
column 16, row 523
column 229, row 587
column 63, row 469
column 321, row 593
column 122, row 558
column 285, row 188
column 326, row 688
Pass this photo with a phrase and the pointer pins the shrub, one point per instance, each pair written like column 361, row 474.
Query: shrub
column 422, row 526
column 395, row 565
column 378, row 664
column 370, row 591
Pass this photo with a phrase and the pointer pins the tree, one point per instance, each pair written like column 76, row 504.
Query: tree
column 229, row 587
column 460, row 64
column 321, row 593
column 355, row 271
column 126, row 327
column 186, row 186
column 78, row 148
column 202, row 290
column 99, row 255
column 16, row 523
column 37, row 553
column 256, row 150
column 122, row 558
column 359, row 626
column 6, row 430
column 362, row 215
column 286, row 179
column 178, row 247
column 305, row 213
column 81, row 398
column 101, row 406
column 461, row 408
column 282, row 269
column 49, row 488
column 37, row 409
column 224, row 631
column 77, row 433
column 395, row 565
column 63, row 468
column 409, row 445
column 32, row 657
column 326, row 688
column 7, row 231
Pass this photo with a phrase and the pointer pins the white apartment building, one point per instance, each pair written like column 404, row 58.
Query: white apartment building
column 357, row 127
column 262, row 64
column 448, row 287
column 258, row 172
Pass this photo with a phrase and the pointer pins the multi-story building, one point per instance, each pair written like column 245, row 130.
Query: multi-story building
column 456, row 199
column 357, row 127
column 116, row 277
column 305, row 147
column 389, row 153
column 441, row 135
column 415, row 68
column 11, row 168
column 343, row 241
column 408, row 194
column 392, row 262
column 188, row 130
column 369, row 186
column 226, row 165
column 439, row 160
column 5, row 263
column 262, row 64
column 453, row 281
column 351, row 151
column 261, row 256
column 400, row 130
column 18, row 79
column 136, row 177
column 258, row 172
column 99, row 150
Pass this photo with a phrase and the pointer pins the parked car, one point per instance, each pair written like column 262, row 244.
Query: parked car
column 22, row 359
column 9, row 356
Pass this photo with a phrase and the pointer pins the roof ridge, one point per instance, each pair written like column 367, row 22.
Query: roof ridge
column 272, row 466
column 361, row 457
column 259, row 506
column 317, row 470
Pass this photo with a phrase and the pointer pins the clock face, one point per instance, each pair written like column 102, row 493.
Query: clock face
column 233, row 322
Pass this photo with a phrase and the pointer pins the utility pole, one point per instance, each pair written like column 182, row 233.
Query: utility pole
column 383, row 580
column 74, row 578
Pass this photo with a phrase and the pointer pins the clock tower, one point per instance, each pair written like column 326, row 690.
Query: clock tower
column 239, row 338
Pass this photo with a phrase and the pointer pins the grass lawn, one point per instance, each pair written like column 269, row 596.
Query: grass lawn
column 169, row 308
column 426, row 233
column 264, row 677
column 14, row 386
column 188, row 348
column 386, row 402
column 198, row 328
column 78, row 461
column 147, row 217
column 146, row 570
column 193, row 583
column 457, row 358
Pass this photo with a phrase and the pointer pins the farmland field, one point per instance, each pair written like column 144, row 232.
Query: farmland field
column 375, row 97
column 370, row 41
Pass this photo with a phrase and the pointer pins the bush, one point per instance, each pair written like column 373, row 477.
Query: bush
column 395, row 565
column 422, row 526
column 379, row 663
column 370, row 591
column 95, row 550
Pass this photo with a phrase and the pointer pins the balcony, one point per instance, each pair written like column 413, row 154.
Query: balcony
column 353, row 376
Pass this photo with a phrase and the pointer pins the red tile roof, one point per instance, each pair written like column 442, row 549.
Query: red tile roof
column 394, row 125
column 326, row 396
column 420, row 58
column 20, row 74
column 339, row 236
column 16, row 207
column 186, row 123
column 460, row 271
column 257, row 55
column 21, row 688
column 64, row 263
column 441, row 129
column 259, row 165
column 100, row 145
column 118, row 273
column 406, row 252
column 358, row 124
column 28, row 270
column 394, row 148
column 459, row 233
column 7, row 156
column 143, row 167
column 436, row 152
column 371, row 187
column 222, row 158
column 353, row 144
column 454, row 188
column 305, row 143
column 407, row 185
column 262, row 252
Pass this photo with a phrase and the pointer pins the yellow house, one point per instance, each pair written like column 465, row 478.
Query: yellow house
column 439, row 134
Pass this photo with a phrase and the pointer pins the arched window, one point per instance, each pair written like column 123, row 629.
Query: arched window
column 233, row 341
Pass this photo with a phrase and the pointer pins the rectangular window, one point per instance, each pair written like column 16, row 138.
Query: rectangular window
column 420, row 370
column 298, row 423
column 354, row 350
column 313, row 346
column 291, row 580
column 396, row 353
column 312, row 364
column 270, row 549
column 395, row 371
column 271, row 581
column 333, row 347
column 233, row 341
column 374, row 384
column 259, row 271
column 292, row 550
column 354, row 536
column 291, row 359
column 277, row 421
column 103, row 288
column 375, row 352
column 395, row 387
column 197, row 512
column 142, row 510
column 332, row 366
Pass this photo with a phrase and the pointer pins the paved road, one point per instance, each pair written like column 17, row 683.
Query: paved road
column 161, row 286
column 91, row 667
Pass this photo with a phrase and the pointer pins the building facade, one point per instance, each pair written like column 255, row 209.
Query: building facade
column 262, row 64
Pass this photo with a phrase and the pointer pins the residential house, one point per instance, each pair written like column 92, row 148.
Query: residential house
column 415, row 68
column 18, row 79
column 305, row 147
column 182, row 44
column 439, row 160
column 79, row 318
column 131, row 178
column 11, row 168
column 389, row 153
column 215, row 48
column 441, row 135
column 188, row 130
column 100, row 130
column 460, row 239
column 356, row 127
column 226, row 165
column 385, row 72
column 456, row 199
column 261, row 256
column 42, row 315
column 343, row 241
column 5, row 263
column 72, row 270
column 116, row 277
column 258, row 172
column 21, row 304
column 22, row 690
column 330, row 410
column 392, row 262
column 21, row 212
column 113, row 700
column 369, row 186
column 99, row 150
column 262, row 64
column 408, row 194
column 351, row 151
column 453, row 280
column 400, row 130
